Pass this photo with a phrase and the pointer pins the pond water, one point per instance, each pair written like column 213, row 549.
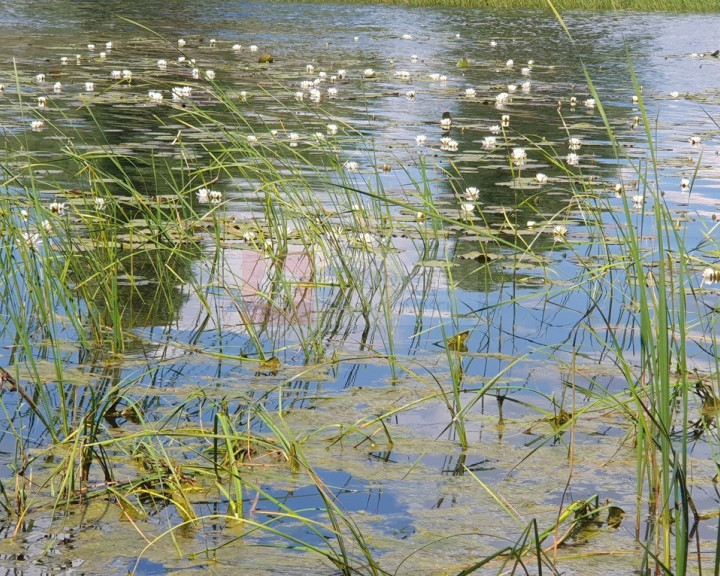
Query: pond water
column 439, row 448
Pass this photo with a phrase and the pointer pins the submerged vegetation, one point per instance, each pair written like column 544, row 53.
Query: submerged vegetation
column 249, row 331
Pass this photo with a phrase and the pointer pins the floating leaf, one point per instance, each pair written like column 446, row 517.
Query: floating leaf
column 463, row 63
column 615, row 516
column 271, row 364
column 458, row 341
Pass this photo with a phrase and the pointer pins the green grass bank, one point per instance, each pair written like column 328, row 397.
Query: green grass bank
column 591, row 5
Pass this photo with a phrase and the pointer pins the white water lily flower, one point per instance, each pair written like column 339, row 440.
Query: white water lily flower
column 471, row 193
column 573, row 101
column 24, row 214
column 309, row 68
column 619, row 190
column 253, row 48
column 541, row 178
column 42, row 101
column 638, row 200
column 237, row 47
column 40, row 77
column 64, row 60
column 203, row 195
column 512, row 88
column 502, row 98
column 91, row 46
column 574, row 143
column 332, row 129
column 493, row 44
column 332, row 92
column 99, row 203
column 162, row 64
column 531, row 224
column 590, row 103
column 351, row 166
column 466, row 209
column 572, row 159
column 127, row 75
column 368, row 73
column 57, row 87
column 103, row 55
column 116, row 74
column 366, row 239
column 47, row 226
column 489, row 142
column 413, row 58
column 519, row 156
column 420, row 139
column 37, row 125
column 181, row 59
column 495, row 129
column 674, row 94
column 685, row 184
column 402, row 74
column 509, row 63
column 449, row 144
column 434, row 76
column 181, row 42
column 89, row 86
column 215, row 196
column 109, row 45
column 315, row 95
column 57, row 207
column 710, row 275
column 695, row 140
column 470, row 92
column 525, row 71
column 525, row 86
column 32, row 240
column 505, row 120
column 213, row 42
column 560, row 230
column 407, row 37
column 299, row 96
column 446, row 123
column 410, row 94
column 322, row 75
column 319, row 136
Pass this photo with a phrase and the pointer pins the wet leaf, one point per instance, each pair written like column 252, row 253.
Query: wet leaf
column 615, row 516
column 271, row 364
column 458, row 341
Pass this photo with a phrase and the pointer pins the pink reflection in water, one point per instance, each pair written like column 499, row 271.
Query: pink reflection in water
column 265, row 290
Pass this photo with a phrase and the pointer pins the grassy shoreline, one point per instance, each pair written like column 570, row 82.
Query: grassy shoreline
column 678, row 6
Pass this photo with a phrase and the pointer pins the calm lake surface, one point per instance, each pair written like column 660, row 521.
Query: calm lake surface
column 419, row 500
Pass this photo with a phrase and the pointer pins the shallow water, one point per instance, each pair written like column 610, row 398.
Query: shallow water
column 419, row 489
